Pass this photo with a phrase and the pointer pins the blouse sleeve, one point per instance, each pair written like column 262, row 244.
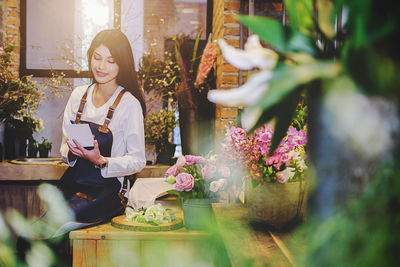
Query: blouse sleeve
column 69, row 114
column 134, row 159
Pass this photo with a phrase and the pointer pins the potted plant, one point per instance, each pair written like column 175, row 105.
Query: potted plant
column 158, row 78
column 276, row 191
column 44, row 148
column 158, row 132
column 33, row 148
column 195, row 59
column 19, row 100
column 197, row 181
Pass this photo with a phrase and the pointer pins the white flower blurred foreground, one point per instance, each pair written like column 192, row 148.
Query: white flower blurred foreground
column 253, row 56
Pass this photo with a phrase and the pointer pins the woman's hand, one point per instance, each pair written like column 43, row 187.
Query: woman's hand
column 91, row 155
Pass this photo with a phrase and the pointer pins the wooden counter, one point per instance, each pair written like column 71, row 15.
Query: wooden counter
column 19, row 183
column 245, row 245
column 54, row 171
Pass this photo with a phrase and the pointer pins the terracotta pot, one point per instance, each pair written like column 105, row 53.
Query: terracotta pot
column 277, row 205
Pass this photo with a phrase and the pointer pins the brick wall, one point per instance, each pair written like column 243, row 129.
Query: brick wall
column 226, row 26
column 9, row 29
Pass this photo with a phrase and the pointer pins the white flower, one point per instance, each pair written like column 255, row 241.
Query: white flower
column 367, row 125
column 247, row 94
column 284, row 176
column 132, row 215
column 253, row 56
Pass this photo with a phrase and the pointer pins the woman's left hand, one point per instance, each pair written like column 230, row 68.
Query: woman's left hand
column 91, row 155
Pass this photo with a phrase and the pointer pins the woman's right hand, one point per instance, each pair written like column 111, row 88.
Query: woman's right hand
column 75, row 151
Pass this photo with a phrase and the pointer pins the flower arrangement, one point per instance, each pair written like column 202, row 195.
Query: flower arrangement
column 159, row 76
column 198, row 177
column 154, row 215
column 158, row 127
column 286, row 164
column 195, row 60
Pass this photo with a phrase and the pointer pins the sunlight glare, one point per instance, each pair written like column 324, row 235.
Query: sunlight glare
column 96, row 11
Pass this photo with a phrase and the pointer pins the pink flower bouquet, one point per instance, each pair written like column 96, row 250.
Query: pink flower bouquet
column 198, row 177
column 287, row 164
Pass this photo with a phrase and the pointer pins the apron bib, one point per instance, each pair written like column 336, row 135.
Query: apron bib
column 92, row 197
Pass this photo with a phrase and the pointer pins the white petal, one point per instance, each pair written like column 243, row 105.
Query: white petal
column 250, row 117
column 247, row 94
column 254, row 56
column 264, row 58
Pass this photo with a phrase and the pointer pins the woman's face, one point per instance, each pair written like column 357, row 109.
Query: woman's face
column 103, row 65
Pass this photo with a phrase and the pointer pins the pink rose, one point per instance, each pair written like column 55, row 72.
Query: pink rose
column 190, row 160
column 224, row 171
column 214, row 186
column 173, row 170
column 208, row 171
column 181, row 161
column 219, row 185
column 222, row 184
column 184, row 182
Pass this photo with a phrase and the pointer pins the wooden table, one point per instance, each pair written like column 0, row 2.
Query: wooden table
column 105, row 245
column 244, row 244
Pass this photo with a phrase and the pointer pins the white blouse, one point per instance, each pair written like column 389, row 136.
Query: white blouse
column 128, row 148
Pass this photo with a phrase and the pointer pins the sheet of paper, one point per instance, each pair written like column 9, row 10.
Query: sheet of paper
column 81, row 133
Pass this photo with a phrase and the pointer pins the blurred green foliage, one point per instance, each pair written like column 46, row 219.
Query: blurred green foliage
column 312, row 49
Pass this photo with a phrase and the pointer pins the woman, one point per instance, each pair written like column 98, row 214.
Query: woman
column 114, row 108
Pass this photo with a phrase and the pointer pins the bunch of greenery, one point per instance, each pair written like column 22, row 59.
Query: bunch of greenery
column 19, row 97
column 45, row 144
column 159, row 76
column 315, row 52
column 158, row 127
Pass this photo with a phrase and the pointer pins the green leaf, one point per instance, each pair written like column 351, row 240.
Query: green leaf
column 301, row 42
column 284, row 119
column 300, row 15
column 196, row 46
column 286, row 79
column 269, row 30
column 326, row 18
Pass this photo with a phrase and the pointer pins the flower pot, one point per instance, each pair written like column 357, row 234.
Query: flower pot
column 43, row 153
column 197, row 213
column 196, row 129
column 276, row 205
column 32, row 152
column 165, row 156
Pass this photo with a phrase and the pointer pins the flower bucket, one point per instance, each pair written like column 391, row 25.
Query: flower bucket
column 196, row 213
column 277, row 205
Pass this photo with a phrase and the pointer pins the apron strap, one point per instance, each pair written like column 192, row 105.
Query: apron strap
column 104, row 127
column 124, row 190
column 81, row 106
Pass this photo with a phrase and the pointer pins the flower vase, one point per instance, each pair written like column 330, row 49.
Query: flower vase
column 197, row 213
column 276, row 205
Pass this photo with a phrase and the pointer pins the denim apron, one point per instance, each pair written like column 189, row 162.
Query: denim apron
column 92, row 197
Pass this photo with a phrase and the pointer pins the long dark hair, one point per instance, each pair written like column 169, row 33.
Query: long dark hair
column 121, row 51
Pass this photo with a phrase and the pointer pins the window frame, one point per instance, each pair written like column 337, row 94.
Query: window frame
column 69, row 73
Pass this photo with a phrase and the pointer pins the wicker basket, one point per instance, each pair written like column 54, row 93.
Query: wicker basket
column 277, row 205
